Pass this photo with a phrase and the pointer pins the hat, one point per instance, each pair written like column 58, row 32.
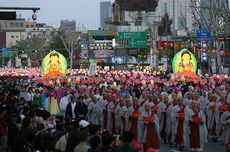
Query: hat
column 83, row 124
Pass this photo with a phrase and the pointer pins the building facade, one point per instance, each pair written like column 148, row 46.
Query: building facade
column 105, row 12
column 179, row 11
column 14, row 31
column 67, row 25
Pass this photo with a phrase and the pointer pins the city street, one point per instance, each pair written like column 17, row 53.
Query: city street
column 210, row 147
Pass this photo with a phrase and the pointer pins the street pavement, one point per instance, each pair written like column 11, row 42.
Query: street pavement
column 209, row 147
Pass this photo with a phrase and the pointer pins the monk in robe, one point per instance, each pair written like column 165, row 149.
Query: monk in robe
column 213, row 117
column 111, row 117
column 94, row 115
column 179, row 132
column 118, row 115
column 198, row 129
column 134, row 119
column 225, row 125
column 148, row 127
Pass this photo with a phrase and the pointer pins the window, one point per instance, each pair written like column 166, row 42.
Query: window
column 21, row 24
column 165, row 8
column 16, row 24
column 11, row 24
column 12, row 36
column 16, row 36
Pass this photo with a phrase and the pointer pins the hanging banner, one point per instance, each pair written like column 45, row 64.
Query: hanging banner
column 92, row 67
column 54, row 65
column 185, row 63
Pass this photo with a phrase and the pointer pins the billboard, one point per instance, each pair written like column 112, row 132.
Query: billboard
column 132, row 40
column 103, row 53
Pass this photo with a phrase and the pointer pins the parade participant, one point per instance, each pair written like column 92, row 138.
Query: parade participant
column 110, row 115
column 149, row 132
column 53, row 105
column 102, row 103
column 122, row 115
column 128, row 113
column 63, row 103
column 37, row 99
column 204, row 102
column 94, row 115
column 157, row 109
column 213, row 117
column 180, row 127
column 198, row 129
column 105, row 111
column 134, row 120
column 80, row 109
column 225, row 124
column 30, row 95
column 163, row 120
column 118, row 112
column 69, row 113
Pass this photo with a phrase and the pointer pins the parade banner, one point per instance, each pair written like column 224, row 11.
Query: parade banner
column 54, row 65
column 92, row 67
column 185, row 63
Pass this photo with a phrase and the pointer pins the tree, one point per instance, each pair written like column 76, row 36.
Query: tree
column 212, row 15
column 71, row 41
column 164, row 29
column 31, row 44
column 56, row 43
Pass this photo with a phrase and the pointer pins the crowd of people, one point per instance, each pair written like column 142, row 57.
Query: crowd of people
column 112, row 111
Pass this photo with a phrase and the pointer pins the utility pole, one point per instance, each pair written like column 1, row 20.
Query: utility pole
column 174, row 15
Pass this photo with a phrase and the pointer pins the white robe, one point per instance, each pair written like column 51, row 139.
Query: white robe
column 203, row 129
column 118, row 118
column 175, row 120
column 143, row 127
column 94, row 114
column 225, row 127
column 110, row 110
column 63, row 103
column 123, row 111
column 213, row 115
column 127, row 118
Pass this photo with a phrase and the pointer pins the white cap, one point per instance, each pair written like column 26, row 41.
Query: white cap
column 83, row 124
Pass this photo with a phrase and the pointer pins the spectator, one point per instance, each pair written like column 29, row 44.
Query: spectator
column 3, row 130
column 72, row 139
column 83, row 145
column 128, row 139
column 12, row 132
column 95, row 143
column 107, row 141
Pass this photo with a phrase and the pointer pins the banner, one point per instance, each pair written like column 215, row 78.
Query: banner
column 92, row 67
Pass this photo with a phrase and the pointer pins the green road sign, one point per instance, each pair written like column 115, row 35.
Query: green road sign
column 132, row 40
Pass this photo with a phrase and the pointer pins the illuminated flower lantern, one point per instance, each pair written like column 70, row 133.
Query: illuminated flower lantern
column 54, row 65
column 185, row 64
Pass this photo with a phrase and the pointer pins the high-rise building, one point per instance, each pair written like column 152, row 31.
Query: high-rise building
column 67, row 25
column 179, row 11
column 105, row 12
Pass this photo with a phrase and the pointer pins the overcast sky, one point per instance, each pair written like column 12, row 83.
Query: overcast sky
column 85, row 12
